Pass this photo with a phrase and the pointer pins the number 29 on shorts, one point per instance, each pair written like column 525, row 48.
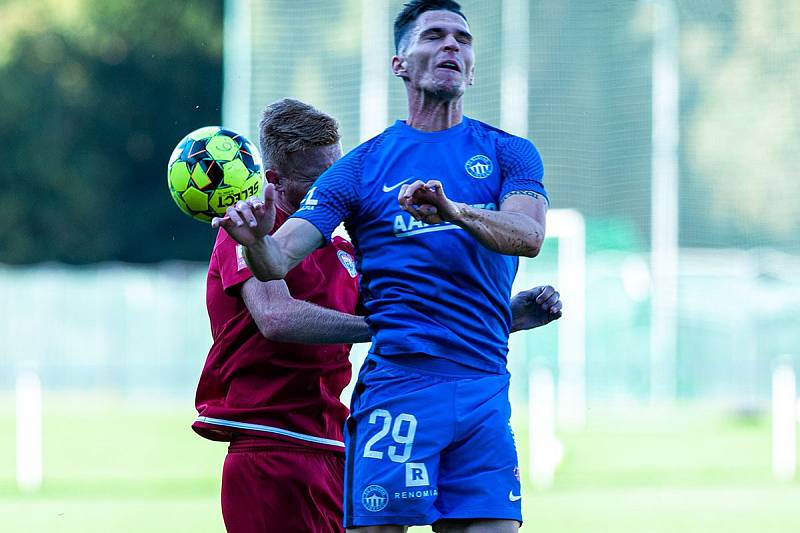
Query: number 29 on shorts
column 403, row 431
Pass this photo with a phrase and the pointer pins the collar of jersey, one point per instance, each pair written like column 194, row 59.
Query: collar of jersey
column 405, row 130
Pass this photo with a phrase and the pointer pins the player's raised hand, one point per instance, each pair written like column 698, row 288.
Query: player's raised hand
column 249, row 221
column 535, row 307
column 427, row 202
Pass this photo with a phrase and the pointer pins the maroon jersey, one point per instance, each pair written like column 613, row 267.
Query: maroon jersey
column 253, row 386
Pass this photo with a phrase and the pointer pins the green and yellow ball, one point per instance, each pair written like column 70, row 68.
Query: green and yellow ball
column 211, row 169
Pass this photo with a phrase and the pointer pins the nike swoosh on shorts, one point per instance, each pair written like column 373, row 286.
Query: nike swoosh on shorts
column 512, row 497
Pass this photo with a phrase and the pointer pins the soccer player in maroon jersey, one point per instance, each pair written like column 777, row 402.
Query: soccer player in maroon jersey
column 279, row 362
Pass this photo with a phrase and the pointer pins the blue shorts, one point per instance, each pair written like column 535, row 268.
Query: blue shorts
column 423, row 447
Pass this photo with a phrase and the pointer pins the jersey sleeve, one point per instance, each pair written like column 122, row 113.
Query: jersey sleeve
column 521, row 168
column 233, row 271
column 334, row 196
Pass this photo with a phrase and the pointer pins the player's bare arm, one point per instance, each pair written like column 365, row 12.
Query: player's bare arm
column 269, row 257
column 282, row 318
column 534, row 308
column 275, row 255
column 517, row 229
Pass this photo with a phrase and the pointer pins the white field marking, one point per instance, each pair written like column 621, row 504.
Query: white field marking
column 784, row 422
column 545, row 449
column 29, row 430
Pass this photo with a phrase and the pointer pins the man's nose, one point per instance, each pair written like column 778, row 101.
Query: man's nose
column 451, row 43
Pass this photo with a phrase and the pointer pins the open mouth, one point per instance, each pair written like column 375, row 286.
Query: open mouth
column 449, row 65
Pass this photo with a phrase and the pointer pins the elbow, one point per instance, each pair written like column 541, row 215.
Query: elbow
column 271, row 327
column 531, row 253
column 534, row 247
column 269, row 274
column 263, row 267
column 261, row 275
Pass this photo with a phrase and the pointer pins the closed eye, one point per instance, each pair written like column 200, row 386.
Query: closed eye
column 432, row 35
column 464, row 37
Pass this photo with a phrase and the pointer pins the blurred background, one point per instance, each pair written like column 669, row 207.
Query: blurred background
column 664, row 400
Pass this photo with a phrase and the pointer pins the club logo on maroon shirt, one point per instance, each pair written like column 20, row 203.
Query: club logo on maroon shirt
column 347, row 262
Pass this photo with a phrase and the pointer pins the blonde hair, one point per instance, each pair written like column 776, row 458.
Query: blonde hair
column 289, row 126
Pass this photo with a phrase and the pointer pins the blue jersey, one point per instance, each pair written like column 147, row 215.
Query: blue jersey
column 429, row 289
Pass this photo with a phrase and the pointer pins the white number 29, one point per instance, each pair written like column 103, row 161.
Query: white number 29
column 406, row 438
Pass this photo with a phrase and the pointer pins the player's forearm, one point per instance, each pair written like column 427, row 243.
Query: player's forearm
column 505, row 232
column 307, row 323
column 266, row 260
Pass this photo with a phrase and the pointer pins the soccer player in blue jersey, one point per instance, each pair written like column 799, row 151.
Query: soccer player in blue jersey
column 428, row 440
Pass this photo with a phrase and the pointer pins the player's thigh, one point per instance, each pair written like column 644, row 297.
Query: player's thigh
column 476, row 526
column 479, row 477
column 399, row 423
column 282, row 490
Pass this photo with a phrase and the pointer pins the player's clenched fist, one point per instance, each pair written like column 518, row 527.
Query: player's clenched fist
column 249, row 221
column 427, row 202
column 535, row 307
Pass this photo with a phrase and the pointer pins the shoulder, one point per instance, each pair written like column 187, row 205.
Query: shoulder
column 512, row 148
column 222, row 242
column 369, row 146
column 227, row 260
column 506, row 143
column 483, row 129
column 345, row 255
column 342, row 245
column 352, row 162
column 349, row 169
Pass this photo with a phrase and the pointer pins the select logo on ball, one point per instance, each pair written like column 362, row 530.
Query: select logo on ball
column 211, row 169
column 224, row 198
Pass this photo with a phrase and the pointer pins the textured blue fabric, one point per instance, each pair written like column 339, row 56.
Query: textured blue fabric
column 423, row 447
column 430, row 289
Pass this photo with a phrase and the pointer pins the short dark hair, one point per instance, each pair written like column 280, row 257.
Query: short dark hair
column 289, row 126
column 412, row 11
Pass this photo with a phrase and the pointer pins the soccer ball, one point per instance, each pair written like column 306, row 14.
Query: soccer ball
column 211, row 169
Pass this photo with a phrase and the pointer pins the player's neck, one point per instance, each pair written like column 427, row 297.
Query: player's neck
column 427, row 113
column 283, row 205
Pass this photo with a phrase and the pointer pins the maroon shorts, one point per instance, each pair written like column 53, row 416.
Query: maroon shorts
column 277, row 488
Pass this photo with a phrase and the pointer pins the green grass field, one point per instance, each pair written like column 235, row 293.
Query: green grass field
column 109, row 468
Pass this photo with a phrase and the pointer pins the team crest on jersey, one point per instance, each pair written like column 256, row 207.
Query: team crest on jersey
column 479, row 167
column 374, row 498
column 347, row 262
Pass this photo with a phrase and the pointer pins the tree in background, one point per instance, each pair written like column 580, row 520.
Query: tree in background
column 742, row 132
column 95, row 93
column 95, row 96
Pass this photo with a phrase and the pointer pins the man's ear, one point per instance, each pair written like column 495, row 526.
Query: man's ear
column 399, row 67
column 274, row 178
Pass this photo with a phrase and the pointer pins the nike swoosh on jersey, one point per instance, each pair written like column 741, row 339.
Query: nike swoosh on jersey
column 512, row 497
column 393, row 187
